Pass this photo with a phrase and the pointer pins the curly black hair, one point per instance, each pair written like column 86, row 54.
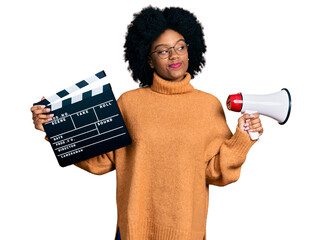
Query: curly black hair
column 147, row 26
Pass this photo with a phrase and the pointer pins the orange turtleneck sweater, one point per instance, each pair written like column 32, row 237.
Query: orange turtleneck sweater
column 180, row 144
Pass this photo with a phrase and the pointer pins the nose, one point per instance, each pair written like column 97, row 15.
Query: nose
column 172, row 53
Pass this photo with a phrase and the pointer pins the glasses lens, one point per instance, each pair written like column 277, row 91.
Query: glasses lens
column 181, row 48
column 163, row 52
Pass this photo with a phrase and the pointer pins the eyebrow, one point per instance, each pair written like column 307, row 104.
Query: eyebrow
column 167, row 45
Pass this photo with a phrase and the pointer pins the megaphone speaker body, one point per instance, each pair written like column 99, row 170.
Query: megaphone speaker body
column 276, row 105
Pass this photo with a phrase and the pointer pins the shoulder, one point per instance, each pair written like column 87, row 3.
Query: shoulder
column 211, row 104
column 208, row 98
column 131, row 95
column 131, row 99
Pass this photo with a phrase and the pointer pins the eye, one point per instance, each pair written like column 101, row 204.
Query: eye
column 165, row 51
column 181, row 47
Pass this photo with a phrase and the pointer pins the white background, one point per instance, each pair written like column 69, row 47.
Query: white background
column 254, row 47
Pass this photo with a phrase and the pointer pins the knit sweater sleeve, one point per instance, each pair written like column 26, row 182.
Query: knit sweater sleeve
column 103, row 163
column 106, row 162
column 98, row 165
column 228, row 153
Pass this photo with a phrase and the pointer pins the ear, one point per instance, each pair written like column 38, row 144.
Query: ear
column 150, row 62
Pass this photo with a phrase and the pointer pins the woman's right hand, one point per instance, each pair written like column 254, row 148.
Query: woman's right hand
column 40, row 115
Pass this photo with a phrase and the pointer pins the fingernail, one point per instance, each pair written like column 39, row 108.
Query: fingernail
column 246, row 125
column 42, row 106
column 51, row 115
column 49, row 119
column 252, row 115
column 248, row 120
column 47, row 109
column 246, row 129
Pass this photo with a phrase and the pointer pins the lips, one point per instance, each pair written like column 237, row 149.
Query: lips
column 175, row 65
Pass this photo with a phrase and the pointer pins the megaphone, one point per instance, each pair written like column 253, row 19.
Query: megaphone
column 276, row 105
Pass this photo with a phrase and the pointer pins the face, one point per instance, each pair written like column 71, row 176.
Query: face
column 174, row 67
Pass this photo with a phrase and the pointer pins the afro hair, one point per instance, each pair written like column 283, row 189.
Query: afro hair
column 147, row 26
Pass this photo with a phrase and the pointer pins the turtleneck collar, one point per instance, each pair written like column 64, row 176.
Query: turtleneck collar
column 163, row 86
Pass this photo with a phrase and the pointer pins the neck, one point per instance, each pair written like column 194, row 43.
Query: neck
column 163, row 86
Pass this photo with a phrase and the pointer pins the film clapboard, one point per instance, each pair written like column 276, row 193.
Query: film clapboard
column 85, row 125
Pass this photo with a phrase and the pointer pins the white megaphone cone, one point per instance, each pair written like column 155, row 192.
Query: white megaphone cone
column 276, row 105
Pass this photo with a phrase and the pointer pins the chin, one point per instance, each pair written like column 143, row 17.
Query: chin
column 176, row 75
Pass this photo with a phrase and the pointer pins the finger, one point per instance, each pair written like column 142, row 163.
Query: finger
column 41, row 111
column 247, row 120
column 37, row 107
column 255, row 121
column 42, row 117
column 46, row 116
column 260, row 130
column 40, row 127
column 243, row 122
column 244, row 118
column 39, row 123
column 250, row 116
column 255, row 126
column 42, row 114
column 253, row 116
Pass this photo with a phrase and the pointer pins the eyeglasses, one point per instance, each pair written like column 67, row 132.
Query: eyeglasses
column 181, row 48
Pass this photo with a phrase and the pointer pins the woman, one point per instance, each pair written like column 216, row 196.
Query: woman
column 180, row 139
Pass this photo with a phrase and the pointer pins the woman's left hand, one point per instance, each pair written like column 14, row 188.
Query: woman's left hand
column 250, row 122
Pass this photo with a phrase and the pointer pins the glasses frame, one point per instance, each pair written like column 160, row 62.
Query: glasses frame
column 169, row 50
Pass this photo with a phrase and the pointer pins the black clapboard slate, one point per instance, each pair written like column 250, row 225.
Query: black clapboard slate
column 86, row 126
